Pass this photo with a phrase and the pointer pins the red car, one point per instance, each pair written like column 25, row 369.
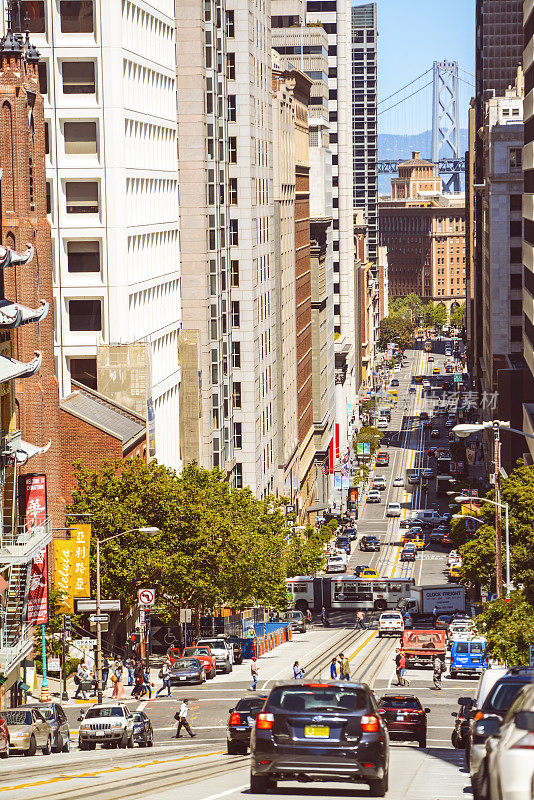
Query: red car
column 4, row 739
column 382, row 459
column 405, row 717
column 205, row 656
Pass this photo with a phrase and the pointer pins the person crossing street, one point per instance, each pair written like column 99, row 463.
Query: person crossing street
column 439, row 669
column 181, row 716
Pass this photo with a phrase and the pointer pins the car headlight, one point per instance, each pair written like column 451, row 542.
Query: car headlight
column 21, row 735
column 116, row 724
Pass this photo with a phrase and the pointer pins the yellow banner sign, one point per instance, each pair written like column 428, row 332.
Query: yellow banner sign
column 71, row 566
column 62, row 570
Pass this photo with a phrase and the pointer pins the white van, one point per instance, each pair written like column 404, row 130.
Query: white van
column 426, row 515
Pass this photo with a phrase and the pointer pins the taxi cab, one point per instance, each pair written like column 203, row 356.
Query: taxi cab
column 369, row 573
column 454, row 572
column 420, row 544
column 435, row 371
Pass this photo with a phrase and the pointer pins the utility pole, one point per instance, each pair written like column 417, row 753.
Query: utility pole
column 64, row 627
column 98, row 627
column 498, row 521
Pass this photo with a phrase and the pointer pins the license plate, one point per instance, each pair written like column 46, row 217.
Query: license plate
column 317, row 731
column 250, row 721
column 400, row 717
column 183, row 677
column 100, row 733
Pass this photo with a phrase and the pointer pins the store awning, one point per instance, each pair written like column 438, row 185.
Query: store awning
column 10, row 368
column 13, row 314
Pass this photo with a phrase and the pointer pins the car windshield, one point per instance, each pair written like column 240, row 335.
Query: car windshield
column 17, row 717
column 214, row 644
column 186, row 663
column 196, row 651
column 503, row 695
column 99, row 713
column 254, row 704
column 399, row 702
column 390, row 616
column 319, row 697
column 137, row 716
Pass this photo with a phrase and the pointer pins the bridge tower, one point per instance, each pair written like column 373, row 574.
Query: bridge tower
column 445, row 119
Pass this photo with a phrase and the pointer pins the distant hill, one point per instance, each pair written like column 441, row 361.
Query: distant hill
column 393, row 146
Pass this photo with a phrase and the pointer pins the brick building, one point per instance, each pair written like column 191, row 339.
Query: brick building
column 424, row 232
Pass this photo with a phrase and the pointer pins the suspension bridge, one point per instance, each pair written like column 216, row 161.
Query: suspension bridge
column 443, row 80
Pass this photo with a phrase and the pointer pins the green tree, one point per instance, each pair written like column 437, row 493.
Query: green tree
column 396, row 329
column 435, row 314
column 508, row 626
column 458, row 317
column 368, row 434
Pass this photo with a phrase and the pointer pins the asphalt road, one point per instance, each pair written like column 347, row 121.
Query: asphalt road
column 200, row 769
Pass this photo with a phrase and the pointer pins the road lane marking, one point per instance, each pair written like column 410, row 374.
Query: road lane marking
column 226, row 793
column 319, row 646
column 362, row 645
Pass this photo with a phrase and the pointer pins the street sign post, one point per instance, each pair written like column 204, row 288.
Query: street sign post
column 458, row 378
column 90, row 605
column 94, row 618
column 146, row 597
column 531, row 655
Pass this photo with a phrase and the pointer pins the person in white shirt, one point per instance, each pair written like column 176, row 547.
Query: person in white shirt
column 181, row 716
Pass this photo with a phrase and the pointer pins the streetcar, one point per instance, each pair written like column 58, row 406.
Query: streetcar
column 346, row 592
column 428, row 346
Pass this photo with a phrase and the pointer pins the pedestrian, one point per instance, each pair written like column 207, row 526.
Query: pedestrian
column 165, row 676
column 105, row 672
column 138, row 680
column 181, row 716
column 344, row 667
column 82, row 674
column 309, row 617
column 298, row 672
column 147, row 684
column 438, row 669
column 402, row 669
column 118, row 688
column 130, row 665
column 333, row 668
column 397, row 666
column 118, row 667
column 254, row 671
column 324, row 617
column 360, row 619
column 435, row 614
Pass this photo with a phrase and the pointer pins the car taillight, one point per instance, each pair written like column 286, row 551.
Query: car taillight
column 525, row 743
column 264, row 722
column 235, row 719
column 370, row 724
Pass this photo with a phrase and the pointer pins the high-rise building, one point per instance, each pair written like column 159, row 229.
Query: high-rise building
column 424, row 231
column 364, row 120
column 528, row 218
column 108, row 77
column 227, row 347
column 499, row 46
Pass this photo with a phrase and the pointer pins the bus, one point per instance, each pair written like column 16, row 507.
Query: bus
column 346, row 592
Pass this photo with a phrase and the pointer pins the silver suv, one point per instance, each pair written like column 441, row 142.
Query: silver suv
column 109, row 724
column 222, row 651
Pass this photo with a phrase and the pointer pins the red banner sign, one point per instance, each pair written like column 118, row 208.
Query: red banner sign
column 34, row 510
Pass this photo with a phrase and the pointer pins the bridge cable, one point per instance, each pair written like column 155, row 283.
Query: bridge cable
column 404, row 87
column 384, row 110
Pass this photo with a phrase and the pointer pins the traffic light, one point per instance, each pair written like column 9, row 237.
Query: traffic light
column 67, row 623
column 135, row 638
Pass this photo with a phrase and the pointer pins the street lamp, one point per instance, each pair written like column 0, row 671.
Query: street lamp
column 149, row 530
column 498, row 543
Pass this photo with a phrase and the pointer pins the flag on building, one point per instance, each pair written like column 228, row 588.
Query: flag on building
column 344, row 471
column 324, row 467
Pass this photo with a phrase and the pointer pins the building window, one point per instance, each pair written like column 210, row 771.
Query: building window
column 516, row 255
column 515, row 158
column 232, row 191
column 236, row 317
column 516, row 228
column 83, row 370
column 82, row 197
column 236, row 356
column 42, row 69
column 516, row 201
column 516, row 333
column 236, row 394
column 48, row 198
column 230, row 66
column 80, row 138
column 76, row 16
column 47, row 138
column 516, row 308
column 234, row 273
column 516, row 281
column 238, row 476
column 234, row 233
column 238, row 436
column 230, row 24
column 34, row 11
column 85, row 315
column 83, row 256
column 78, row 77
column 232, row 107
column 232, row 150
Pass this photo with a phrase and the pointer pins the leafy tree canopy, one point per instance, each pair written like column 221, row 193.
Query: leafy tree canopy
column 508, row 626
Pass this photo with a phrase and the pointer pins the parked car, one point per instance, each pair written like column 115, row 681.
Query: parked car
column 4, row 739
column 222, row 651
column 296, row 619
column 187, row 670
column 237, row 645
column 205, row 656
column 507, row 770
column 370, row 543
column 405, row 717
column 320, row 731
column 54, row 714
column 109, row 724
column 143, row 733
column 240, row 723
column 28, row 730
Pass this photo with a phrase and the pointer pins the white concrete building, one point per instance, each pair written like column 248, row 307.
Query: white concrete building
column 109, row 81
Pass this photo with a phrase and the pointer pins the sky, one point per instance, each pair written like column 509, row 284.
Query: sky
column 412, row 34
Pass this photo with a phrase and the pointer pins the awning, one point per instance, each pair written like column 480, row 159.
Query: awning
column 10, row 368
column 13, row 314
column 316, row 506
column 24, row 451
column 9, row 258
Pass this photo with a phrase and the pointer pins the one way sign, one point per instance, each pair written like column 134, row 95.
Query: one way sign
column 146, row 597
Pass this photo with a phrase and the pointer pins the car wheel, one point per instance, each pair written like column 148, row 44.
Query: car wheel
column 150, row 741
column 422, row 741
column 123, row 744
column 47, row 749
column 32, row 747
column 229, row 668
column 231, row 748
column 5, row 753
column 379, row 635
column 58, row 747
column 379, row 787
column 66, row 746
column 454, row 740
column 260, row 784
column 130, row 742
column 453, row 673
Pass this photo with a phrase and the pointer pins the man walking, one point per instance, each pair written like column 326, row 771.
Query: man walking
column 397, row 666
column 402, row 669
column 105, row 672
column 438, row 669
column 254, row 671
column 360, row 619
column 344, row 668
column 139, row 674
column 333, row 668
column 165, row 675
column 181, row 716
column 435, row 614
column 82, row 674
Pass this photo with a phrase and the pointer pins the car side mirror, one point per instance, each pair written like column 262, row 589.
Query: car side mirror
column 80, row 719
column 465, row 701
column 524, row 720
column 427, row 711
column 488, row 726
column 230, row 710
column 454, row 714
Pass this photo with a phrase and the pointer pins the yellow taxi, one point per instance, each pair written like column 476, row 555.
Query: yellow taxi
column 369, row 573
column 420, row 544
column 392, row 392
column 455, row 572
column 435, row 371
